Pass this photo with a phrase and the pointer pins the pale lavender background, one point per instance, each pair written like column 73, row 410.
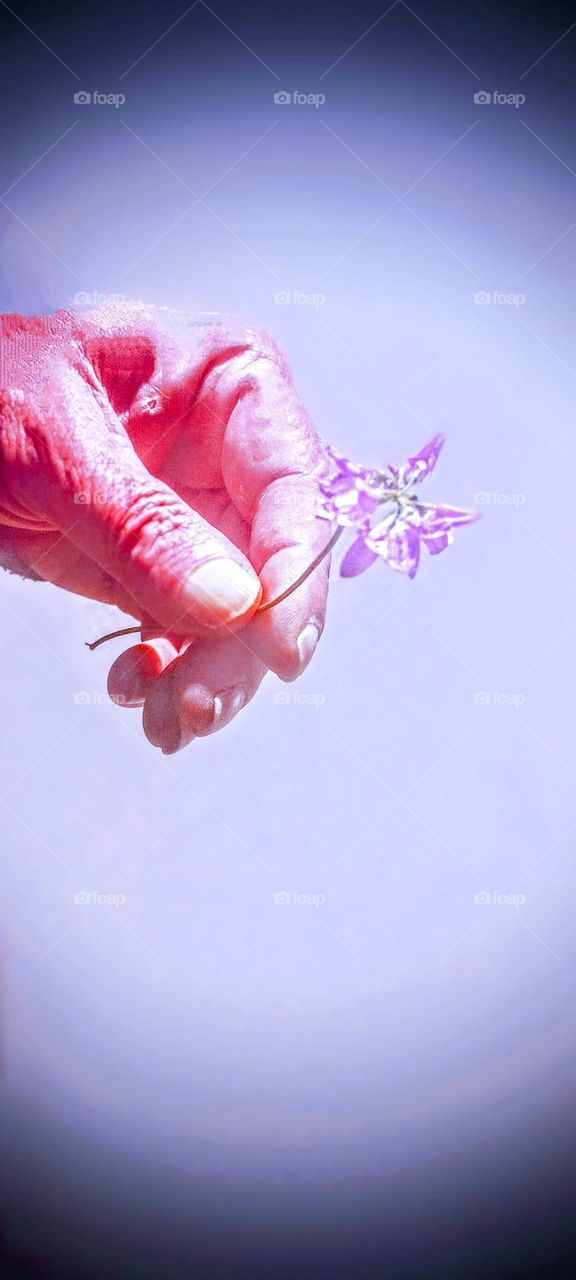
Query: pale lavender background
column 200, row 1022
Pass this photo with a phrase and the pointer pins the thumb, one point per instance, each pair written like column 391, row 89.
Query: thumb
column 178, row 568
column 88, row 482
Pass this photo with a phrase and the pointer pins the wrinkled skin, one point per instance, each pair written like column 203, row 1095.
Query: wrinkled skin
column 146, row 459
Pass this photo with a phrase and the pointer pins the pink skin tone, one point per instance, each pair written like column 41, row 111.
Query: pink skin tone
column 170, row 469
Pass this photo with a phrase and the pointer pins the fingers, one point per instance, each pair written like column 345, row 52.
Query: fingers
column 201, row 691
column 83, row 476
column 89, row 481
column 133, row 673
column 286, row 537
column 271, row 460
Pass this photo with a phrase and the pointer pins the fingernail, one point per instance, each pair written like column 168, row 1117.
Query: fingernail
column 225, row 705
column 133, row 673
column 129, row 690
column 223, row 588
column 228, row 703
column 126, row 681
column 306, row 643
column 161, row 722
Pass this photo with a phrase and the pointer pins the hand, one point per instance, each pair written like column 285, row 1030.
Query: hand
column 168, row 468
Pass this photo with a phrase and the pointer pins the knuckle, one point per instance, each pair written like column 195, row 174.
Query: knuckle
column 30, row 456
column 237, row 352
column 153, row 527
column 17, row 434
column 146, row 520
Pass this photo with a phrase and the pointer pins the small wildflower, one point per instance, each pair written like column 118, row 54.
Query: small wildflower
column 352, row 495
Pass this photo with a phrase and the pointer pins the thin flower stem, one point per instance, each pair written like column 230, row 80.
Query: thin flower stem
column 263, row 608
column 125, row 631
column 303, row 576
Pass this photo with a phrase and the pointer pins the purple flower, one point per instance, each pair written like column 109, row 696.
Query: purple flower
column 352, row 494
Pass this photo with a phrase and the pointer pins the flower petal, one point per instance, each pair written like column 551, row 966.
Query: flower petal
column 377, row 537
column 422, row 464
column 346, row 467
column 445, row 518
column 436, row 542
column 350, row 508
column 398, row 543
column 358, row 558
column 350, row 495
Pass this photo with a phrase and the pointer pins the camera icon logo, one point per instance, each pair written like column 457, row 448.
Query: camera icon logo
column 282, row 98
column 82, row 899
column 82, row 97
column 282, row 899
column 482, row 98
